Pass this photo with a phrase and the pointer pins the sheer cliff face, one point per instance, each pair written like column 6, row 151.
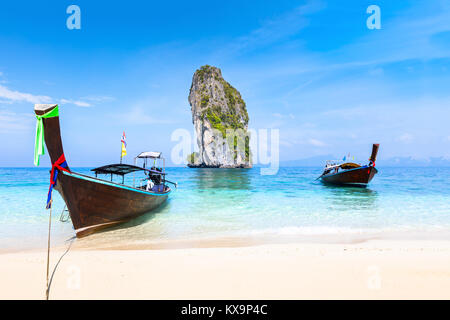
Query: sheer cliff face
column 221, row 122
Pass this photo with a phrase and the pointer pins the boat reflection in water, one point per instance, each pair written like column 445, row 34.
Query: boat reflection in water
column 351, row 198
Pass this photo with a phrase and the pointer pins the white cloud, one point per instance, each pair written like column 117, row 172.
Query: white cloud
column 138, row 116
column 14, row 122
column 400, row 40
column 18, row 96
column 81, row 104
column 98, row 98
column 13, row 96
column 281, row 116
column 76, row 102
column 406, row 138
column 316, row 143
column 275, row 29
column 277, row 115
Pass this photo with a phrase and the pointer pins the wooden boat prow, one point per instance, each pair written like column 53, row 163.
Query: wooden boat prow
column 349, row 173
column 94, row 203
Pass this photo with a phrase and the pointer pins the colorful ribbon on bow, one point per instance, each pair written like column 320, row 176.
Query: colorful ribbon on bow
column 59, row 164
column 39, row 140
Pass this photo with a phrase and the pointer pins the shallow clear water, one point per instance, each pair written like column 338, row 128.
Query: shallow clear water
column 239, row 203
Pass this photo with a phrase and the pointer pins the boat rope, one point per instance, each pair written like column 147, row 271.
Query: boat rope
column 56, row 265
column 49, row 282
column 59, row 164
column 62, row 218
column 48, row 248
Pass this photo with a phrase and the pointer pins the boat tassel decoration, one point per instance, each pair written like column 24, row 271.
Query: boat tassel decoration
column 39, row 140
column 59, row 164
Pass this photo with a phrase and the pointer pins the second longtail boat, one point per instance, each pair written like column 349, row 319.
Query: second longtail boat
column 349, row 173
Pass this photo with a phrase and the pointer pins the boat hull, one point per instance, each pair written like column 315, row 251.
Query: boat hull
column 358, row 177
column 95, row 204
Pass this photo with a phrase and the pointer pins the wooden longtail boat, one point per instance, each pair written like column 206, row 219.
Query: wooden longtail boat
column 95, row 203
column 349, row 173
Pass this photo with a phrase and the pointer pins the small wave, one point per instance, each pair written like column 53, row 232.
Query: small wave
column 330, row 230
column 313, row 230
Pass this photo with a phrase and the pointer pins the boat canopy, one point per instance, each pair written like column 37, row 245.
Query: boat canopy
column 122, row 169
column 331, row 164
column 150, row 154
column 119, row 169
column 349, row 165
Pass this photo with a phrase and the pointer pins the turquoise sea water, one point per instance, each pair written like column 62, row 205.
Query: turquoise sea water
column 212, row 204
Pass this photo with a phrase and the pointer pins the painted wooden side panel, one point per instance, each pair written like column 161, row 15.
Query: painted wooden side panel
column 361, row 176
column 96, row 204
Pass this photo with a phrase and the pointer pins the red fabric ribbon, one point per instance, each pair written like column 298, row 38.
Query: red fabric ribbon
column 57, row 165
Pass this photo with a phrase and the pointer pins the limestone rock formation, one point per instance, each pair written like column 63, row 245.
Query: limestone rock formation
column 220, row 119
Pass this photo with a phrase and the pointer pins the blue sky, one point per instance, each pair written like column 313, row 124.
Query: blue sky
column 311, row 69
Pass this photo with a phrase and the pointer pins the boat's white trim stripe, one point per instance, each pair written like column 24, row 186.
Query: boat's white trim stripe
column 75, row 175
column 97, row 225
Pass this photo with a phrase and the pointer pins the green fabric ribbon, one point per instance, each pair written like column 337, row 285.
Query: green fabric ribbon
column 39, row 141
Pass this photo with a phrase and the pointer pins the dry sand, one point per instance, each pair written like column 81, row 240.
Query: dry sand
column 377, row 269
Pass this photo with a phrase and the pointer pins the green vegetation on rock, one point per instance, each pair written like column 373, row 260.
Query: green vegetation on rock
column 192, row 157
column 222, row 120
column 204, row 70
column 222, row 106
column 205, row 100
column 235, row 101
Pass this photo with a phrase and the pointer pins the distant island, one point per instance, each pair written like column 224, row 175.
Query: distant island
column 220, row 119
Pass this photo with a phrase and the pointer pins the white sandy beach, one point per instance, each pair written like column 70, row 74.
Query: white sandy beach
column 378, row 269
